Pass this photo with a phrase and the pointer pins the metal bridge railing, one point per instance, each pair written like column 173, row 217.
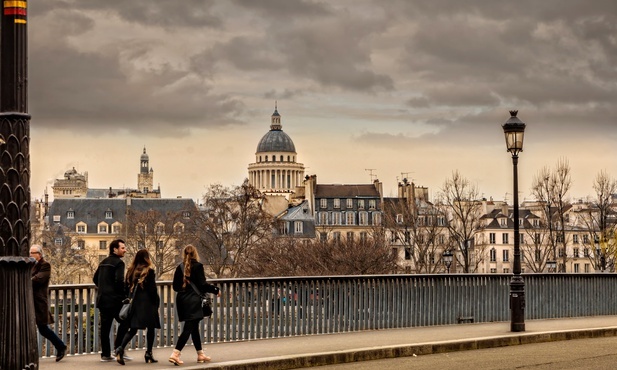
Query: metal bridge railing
column 259, row 308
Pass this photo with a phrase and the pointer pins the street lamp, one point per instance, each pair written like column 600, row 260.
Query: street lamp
column 514, row 130
column 447, row 259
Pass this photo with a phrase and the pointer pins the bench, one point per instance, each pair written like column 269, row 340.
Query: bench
column 463, row 319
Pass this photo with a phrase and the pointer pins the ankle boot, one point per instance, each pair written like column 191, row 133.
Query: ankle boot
column 148, row 357
column 120, row 355
column 175, row 358
column 201, row 358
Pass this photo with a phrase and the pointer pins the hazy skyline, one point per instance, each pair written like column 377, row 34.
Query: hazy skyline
column 403, row 86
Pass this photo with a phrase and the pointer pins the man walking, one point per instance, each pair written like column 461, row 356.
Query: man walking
column 109, row 279
column 41, row 271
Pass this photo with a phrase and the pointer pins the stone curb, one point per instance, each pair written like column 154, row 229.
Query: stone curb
column 376, row 353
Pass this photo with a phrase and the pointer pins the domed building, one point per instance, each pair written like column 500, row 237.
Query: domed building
column 275, row 169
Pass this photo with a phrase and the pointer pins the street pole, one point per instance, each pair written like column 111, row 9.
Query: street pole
column 514, row 130
column 18, row 342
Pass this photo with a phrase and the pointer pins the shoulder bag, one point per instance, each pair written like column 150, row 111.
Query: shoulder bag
column 206, row 302
column 127, row 306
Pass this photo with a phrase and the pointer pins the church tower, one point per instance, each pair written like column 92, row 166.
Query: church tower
column 145, row 178
column 276, row 170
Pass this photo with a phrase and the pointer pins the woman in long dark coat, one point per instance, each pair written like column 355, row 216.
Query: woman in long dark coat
column 188, row 302
column 141, row 280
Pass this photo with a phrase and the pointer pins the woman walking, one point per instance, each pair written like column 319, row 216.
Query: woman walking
column 188, row 302
column 141, row 281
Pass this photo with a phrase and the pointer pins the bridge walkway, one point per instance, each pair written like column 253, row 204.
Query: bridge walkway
column 307, row 351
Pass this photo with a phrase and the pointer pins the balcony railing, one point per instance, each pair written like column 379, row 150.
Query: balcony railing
column 259, row 308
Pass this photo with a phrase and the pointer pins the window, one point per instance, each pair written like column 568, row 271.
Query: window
column 273, row 158
column 323, row 237
column 337, row 203
column 399, row 218
column 537, row 255
column 441, row 238
column 587, row 269
column 350, row 218
column 407, row 236
column 363, row 218
column 81, row 228
column 575, row 239
column 336, row 218
column 506, row 270
column 504, row 238
column 493, row 255
column 349, row 203
column 186, row 214
column 103, row 229
column 502, row 222
column 576, row 268
column 535, row 223
column 559, row 238
column 361, row 203
column 585, row 252
column 363, row 235
column 575, row 253
column 70, row 214
column 491, row 238
column 102, row 244
column 585, row 239
column 493, row 271
column 298, row 227
column 159, row 244
column 109, row 214
column 58, row 241
column 56, row 218
column 521, row 237
column 371, row 203
column 350, row 236
column 323, row 218
column 179, row 228
column 407, row 253
column 441, row 221
column 537, row 238
column 81, row 244
column 323, row 203
column 561, row 252
column 377, row 218
column 336, row 236
column 159, row 229
column 506, row 255
column 431, row 258
column 115, row 229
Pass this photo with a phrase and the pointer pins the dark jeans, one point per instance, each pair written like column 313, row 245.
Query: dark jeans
column 46, row 332
column 107, row 320
column 149, row 338
column 191, row 328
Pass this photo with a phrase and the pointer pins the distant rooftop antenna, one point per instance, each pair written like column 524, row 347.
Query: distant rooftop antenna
column 370, row 171
column 405, row 176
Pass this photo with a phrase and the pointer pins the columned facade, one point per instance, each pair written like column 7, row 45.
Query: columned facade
column 275, row 169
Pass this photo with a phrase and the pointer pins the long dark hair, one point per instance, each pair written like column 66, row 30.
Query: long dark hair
column 139, row 268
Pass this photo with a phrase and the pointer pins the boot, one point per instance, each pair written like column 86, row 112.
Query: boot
column 201, row 358
column 120, row 355
column 148, row 357
column 175, row 358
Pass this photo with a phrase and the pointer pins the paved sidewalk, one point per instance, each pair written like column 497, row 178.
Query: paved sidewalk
column 305, row 351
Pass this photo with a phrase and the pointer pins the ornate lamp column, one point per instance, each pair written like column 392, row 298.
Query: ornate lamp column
column 18, row 344
column 514, row 129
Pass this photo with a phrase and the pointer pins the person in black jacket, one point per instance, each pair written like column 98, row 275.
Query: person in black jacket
column 109, row 279
column 41, row 271
column 141, row 281
column 188, row 302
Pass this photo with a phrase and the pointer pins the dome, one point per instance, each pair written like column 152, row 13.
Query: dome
column 276, row 141
column 144, row 156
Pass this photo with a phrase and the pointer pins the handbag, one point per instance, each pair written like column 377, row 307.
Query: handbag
column 127, row 306
column 206, row 302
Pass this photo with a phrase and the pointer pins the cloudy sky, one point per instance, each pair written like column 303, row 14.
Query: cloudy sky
column 419, row 88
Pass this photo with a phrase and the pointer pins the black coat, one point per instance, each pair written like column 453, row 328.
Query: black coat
column 188, row 302
column 41, row 272
column 109, row 279
column 145, row 304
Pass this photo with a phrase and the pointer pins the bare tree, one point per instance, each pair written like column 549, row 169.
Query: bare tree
column 459, row 203
column 232, row 226
column 550, row 188
column 162, row 233
column 600, row 223
column 288, row 256
column 61, row 249
column 414, row 225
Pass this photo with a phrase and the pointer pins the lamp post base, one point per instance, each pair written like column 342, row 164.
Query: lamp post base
column 517, row 303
